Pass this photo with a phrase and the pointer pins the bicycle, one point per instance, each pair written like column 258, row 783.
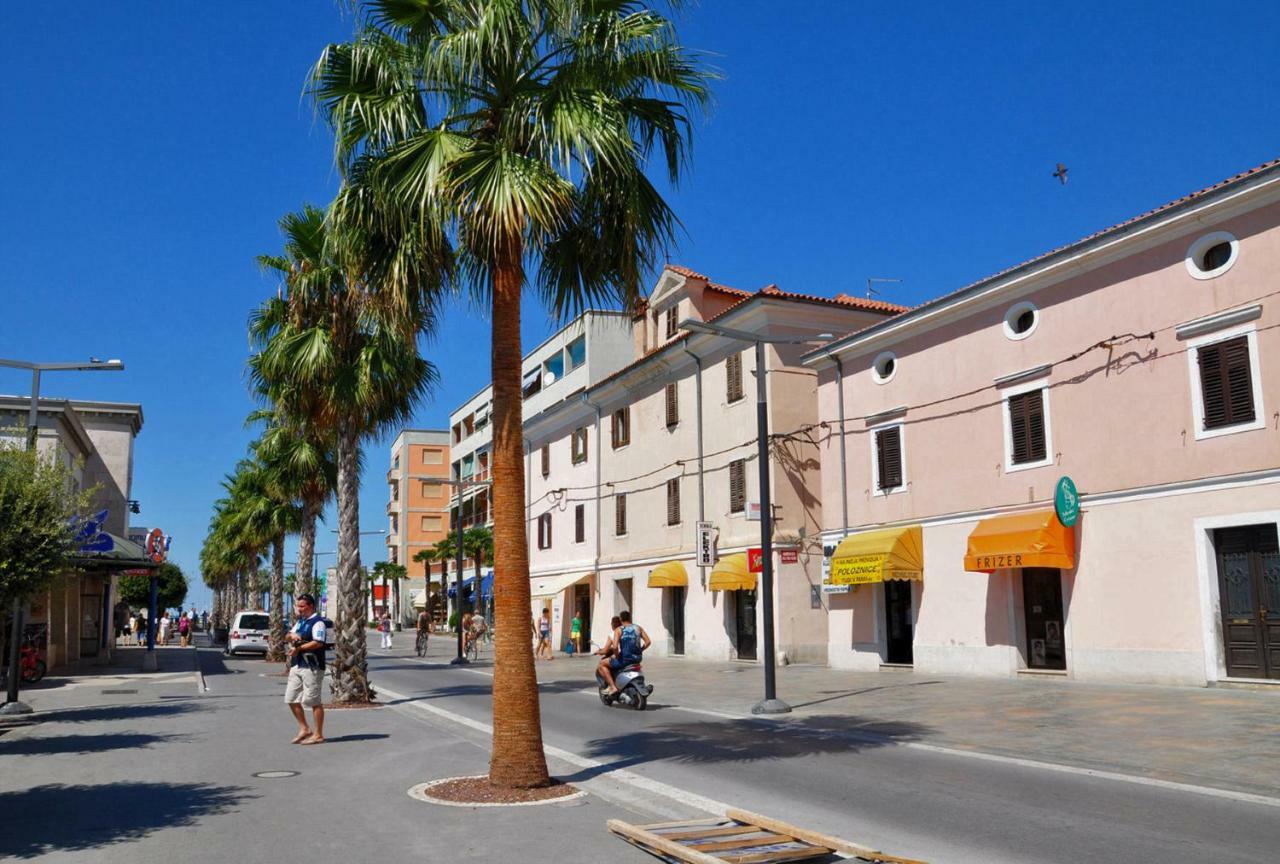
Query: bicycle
column 421, row 646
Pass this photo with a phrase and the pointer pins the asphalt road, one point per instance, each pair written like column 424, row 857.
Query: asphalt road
column 826, row 774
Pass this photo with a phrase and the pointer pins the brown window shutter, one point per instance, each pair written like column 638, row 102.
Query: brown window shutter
column 1026, row 427
column 621, row 428
column 579, row 523
column 733, row 374
column 546, row 460
column 672, row 319
column 673, row 406
column 889, row 458
column 673, row 502
column 737, row 486
column 620, row 514
column 1018, row 428
column 1226, row 383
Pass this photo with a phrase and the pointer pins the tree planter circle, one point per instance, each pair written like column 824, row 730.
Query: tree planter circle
column 478, row 792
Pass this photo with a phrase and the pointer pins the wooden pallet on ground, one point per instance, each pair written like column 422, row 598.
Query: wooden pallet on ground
column 743, row 838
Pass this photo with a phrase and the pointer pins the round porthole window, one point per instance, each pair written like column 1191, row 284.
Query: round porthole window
column 1212, row 255
column 885, row 367
column 1021, row 320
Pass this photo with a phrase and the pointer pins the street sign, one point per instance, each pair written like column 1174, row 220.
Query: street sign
column 789, row 556
column 706, row 544
column 1066, row 501
column 755, row 560
column 828, row 588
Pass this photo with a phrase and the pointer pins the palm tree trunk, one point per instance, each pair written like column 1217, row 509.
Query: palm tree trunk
column 518, row 759
column 306, row 548
column 351, row 669
column 275, row 633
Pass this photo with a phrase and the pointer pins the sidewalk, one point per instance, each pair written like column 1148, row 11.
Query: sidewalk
column 140, row 768
column 1217, row 737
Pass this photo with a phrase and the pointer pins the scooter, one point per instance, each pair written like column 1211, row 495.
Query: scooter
column 632, row 691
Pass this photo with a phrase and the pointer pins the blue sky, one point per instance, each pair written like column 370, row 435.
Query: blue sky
column 150, row 148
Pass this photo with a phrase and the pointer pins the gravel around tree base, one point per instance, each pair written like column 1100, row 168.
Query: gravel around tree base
column 478, row 790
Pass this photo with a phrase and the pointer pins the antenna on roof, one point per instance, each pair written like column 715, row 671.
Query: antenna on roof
column 871, row 279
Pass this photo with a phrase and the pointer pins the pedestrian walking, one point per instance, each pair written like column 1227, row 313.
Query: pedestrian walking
column 165, row 623
column 306, row 671
column 141, row 632
column 184, row 630
column 385, row 626
column 543, row 630
column 133, row 630
column 575, row 632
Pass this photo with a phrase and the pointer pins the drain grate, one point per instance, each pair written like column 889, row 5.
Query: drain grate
column 119, row 692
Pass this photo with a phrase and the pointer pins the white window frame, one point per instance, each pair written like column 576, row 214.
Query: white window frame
column 1016, row 311
column 1202, row 245
column 1017, row 390
column 876, row 491
column 875, row 367
column 1197, row 396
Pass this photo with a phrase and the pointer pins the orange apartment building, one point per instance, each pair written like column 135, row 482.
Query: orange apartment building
column 417, row 508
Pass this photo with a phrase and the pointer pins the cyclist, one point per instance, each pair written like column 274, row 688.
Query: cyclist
column 424, row 632
column 476, row 631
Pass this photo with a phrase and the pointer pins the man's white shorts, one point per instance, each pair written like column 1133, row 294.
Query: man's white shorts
column 303, row 686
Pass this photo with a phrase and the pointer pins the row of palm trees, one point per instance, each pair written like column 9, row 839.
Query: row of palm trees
column 486, row 147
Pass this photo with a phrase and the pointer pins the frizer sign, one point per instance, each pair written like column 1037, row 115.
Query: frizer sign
column 706, row 548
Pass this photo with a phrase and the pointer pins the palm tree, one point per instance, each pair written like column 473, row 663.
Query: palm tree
column 446, row 550
column 524, row 127
column 339, row 348
column 477, row 544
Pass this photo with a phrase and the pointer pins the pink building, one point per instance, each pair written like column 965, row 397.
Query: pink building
column 1142, row 363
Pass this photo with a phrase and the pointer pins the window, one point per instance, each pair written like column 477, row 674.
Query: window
column 579, row 444
column 737, row 486
column 1028, row 446
column 544, row 531
column 580, row 523
column 432, row 490
column 576, row 353
column 884, row 367
column 396, row 463
column 733, row 376
column 1212, row 255
column 553, row 369
column 432, row 456
column 531, row 384
column 888, row 458
column 395, row 524
column 1226, row 384
column 673, row 501
column 620, row 428
column 546, row 461
column 1020, row 321
column 432, row 523
column 395, row 491
column 619, row 514
column 673, row 315
column 673, row 406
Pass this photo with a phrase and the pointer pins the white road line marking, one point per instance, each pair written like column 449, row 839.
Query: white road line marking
column 653, row 787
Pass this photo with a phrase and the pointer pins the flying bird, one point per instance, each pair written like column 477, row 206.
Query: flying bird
column 1061, row 174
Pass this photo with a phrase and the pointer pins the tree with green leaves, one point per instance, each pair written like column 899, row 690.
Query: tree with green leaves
column 477, row 544
column 171, row 588
column 523, row 128
column 339, row 350
column 390, row 575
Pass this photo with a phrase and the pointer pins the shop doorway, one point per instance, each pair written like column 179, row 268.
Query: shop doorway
column 1042, row 605
column 897, row 616
column 675, row 617
column 582, row 606
column 1249, row 592
column 744, row 613
column 90, row 624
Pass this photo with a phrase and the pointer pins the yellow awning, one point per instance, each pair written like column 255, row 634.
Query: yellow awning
column 874, row 556
column 1035, row 539
column 550, row 586
column 731, row 574
column 670, row 574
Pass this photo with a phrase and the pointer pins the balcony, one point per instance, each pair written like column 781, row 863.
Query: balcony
column 393, row 475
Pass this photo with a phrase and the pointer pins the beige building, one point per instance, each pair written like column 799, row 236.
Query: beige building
column 620, row 474
column 417, row 513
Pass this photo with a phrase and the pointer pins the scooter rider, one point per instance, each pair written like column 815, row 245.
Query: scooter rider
column 630, row 641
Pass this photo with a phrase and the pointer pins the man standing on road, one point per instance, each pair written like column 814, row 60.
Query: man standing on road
column 306, row 670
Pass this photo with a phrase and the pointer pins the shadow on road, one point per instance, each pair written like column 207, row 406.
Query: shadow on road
column 845, row 694
column 95, row 713
column 705, row 742
column 65, row 818
column 81, row 744
column 369, row 736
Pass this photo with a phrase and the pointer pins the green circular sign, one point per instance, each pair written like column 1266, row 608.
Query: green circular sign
column 1066, row 501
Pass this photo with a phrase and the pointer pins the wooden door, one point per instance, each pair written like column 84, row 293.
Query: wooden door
column 745, row 624
column 897, row 615
column 1042, row 603
column 1249, row 594
column 676, row 598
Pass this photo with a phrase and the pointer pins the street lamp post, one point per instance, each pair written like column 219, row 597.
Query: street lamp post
column 771, row 704
column 12, row 705
column 462, row 486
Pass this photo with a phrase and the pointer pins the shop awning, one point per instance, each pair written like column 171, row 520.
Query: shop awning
column 731, row 574
column 549, row 586
column 1035, row 539
column 123, row 555
column 670, row 574
column 874, row 556
column 468, row 585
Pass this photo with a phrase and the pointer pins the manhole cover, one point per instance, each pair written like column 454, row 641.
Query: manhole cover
column 118, row 692
column 275, row 775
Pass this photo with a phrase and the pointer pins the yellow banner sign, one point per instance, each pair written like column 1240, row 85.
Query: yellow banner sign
column 858, row 570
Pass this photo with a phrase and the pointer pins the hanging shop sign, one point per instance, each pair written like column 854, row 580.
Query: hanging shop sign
column 706, row 548
column 755, row 560
column 789, row 556
column 1066, row 501
column 157, row 545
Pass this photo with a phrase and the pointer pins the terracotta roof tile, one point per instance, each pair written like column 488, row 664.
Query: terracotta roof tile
column 685, row 271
